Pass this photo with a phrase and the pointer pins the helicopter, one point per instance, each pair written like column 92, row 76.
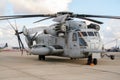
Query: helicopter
column 67, row 37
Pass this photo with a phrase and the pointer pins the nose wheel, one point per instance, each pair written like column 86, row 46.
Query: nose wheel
column 91, row 60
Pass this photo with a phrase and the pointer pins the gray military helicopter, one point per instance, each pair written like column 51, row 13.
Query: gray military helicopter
column 66, row 38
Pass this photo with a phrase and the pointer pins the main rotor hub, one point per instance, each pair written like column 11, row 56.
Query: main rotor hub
column 63, row 13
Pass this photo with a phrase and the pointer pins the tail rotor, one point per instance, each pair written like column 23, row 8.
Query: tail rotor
column 17, row 33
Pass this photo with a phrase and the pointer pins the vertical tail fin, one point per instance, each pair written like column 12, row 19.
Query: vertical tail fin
column 28, row 38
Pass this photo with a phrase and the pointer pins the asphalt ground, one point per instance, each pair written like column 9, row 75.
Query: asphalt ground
column 13, row 66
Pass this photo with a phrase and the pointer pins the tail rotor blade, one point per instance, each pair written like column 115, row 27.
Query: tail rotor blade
column 21, row 46
column 20, row 43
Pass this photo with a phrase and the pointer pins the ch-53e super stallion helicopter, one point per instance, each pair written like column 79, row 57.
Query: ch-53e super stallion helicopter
column 66, row 38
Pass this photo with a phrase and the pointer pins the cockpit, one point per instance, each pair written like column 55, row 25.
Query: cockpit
column 85, row 36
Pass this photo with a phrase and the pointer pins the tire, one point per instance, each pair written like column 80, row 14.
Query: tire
column 71, row 58
column 89, row 61
column 39, row 57
column 112, row 57
column 95, row 61
column 43, row 57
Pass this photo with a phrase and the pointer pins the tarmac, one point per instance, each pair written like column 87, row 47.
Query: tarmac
column 13, row 66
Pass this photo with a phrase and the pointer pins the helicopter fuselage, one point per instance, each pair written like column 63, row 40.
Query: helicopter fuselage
column 79, row 41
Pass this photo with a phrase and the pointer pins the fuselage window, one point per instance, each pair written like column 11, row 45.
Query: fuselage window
column 90, row 33
column 74, row 37
column 84, row 33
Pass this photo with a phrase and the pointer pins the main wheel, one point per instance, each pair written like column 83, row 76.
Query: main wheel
column 71, row 58
column 41, row 57
column 89, row 61
column 112, row 57
column 95, row 61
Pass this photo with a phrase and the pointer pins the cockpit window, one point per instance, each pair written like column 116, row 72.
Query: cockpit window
column 96, row 33
column 84, row 33
column 90, row 33
column 80, row 34
column 82, row 42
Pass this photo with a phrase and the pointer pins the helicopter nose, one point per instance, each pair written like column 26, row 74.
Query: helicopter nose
column 95, row 44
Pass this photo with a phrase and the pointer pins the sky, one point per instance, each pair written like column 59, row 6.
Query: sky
column 110, row 30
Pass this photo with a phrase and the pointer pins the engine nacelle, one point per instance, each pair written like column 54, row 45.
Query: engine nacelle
column 50, row 31
column 54, row 33
column 56, row 30
column 94, row 26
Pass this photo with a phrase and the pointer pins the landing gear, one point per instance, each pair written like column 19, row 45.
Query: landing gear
column 91, row 61
column 95, row 61
column 112, row 57
column 73, row 58
column 41, row 57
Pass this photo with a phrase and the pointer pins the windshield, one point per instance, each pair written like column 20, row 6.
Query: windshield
column 90, row 33
column 84, row 34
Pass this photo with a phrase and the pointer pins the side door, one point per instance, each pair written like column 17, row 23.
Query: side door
column 74, row 49
column 74, row 40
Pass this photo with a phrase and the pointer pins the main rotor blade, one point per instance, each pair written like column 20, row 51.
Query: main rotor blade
column 26, row 16
column 11, row 25
column 6, row 18
column 58, row 14
column 42, row 19
column 99, row 22
column 96, row 16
